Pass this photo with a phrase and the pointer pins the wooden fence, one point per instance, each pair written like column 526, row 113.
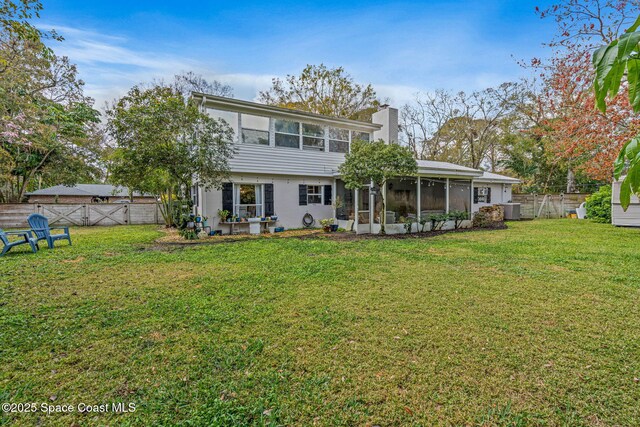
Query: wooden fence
column 14, row 215
column 547, row 205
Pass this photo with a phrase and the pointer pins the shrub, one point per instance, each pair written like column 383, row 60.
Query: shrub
column 438, row 220
column 408, row 223
column 458, row 217
column 599, row 205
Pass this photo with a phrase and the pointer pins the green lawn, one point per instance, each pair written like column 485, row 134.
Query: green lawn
column 535, row 325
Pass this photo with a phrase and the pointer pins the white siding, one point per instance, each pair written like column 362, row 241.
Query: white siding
column 285, row 198
column 251, row 158
column 630, row 218
column 498, row 194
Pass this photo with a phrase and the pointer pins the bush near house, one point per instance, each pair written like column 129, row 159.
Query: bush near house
column 599, row 205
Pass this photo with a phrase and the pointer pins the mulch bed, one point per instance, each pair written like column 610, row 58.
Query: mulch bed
column 172, row 238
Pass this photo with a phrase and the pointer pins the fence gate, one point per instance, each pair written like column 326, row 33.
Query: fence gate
column 64, row 214
column 107, row 214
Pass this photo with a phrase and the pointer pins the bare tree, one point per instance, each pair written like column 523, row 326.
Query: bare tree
column 421, row 121
column 463, row 128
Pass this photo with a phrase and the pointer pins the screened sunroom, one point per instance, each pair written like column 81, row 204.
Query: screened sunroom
column 438, row 188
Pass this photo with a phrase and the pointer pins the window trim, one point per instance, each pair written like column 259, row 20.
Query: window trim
column 483, row 198
column 348, row 140
column 276, row 133
column 320, row 193
column 236, row 198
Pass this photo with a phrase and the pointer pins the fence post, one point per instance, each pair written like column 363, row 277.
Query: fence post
column 562, row 211
column 535, row 199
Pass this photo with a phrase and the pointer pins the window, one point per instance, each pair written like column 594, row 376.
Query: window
column 314, row 194
column 313, row 137
column 255, row 129
column 482, row 195
column 230, row 117
column 338, row 140
column 287, row 133
column 248, row 200
column 360, row 136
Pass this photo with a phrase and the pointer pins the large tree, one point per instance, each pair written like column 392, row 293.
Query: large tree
column 375, row 163
column 48, row 129
column 616, row 65
column 463, row 128
column 163, row 144
column 322, row 90
column 583, row 138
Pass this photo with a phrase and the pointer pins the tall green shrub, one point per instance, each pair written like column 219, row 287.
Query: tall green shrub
column 599, row 205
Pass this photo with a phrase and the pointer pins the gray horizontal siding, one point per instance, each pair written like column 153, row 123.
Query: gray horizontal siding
column 284, row 161
column 630, row 218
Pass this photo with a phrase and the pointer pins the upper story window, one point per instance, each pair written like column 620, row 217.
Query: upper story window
column 360, row 136
column 255, row 129
column 229, row 117
column 287, row 133
column 312, row 137
column 338, row 140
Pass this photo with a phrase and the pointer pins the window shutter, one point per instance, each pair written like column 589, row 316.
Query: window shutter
column 302, row 194
column 268, row 200
column 475, row 194
column 489, row 195
column 327, row 194
column 227, row 197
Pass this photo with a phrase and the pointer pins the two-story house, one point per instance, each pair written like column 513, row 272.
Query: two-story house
column 286, row 164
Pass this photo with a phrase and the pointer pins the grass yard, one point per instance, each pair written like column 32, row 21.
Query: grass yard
column 535, row 325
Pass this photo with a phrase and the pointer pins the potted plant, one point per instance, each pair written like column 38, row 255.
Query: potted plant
column 274, row 217
column 204, row 221
column 326, row 224
column 223, row 214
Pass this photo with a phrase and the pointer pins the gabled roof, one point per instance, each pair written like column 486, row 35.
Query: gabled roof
column 93, row 190
column 497, row 178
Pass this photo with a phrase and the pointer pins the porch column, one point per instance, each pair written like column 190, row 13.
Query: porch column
column 418, row 201
column 447, row 196
column 356, row 208
column 471, row 197
column 334, row 188
column 372, row 205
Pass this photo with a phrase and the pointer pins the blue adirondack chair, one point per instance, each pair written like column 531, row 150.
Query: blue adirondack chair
column 40, row 226
column 27, row 239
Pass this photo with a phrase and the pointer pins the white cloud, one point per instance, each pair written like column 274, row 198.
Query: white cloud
column 110, row 67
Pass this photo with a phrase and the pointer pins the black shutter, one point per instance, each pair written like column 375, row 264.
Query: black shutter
column 327, row 194
column 302, row 194
column 227, row 197
column 475, row 194
column 488, row 194
column 268, row 200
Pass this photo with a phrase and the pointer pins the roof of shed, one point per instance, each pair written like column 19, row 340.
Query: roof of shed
column 93, row 190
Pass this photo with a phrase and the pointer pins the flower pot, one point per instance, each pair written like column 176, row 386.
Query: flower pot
column 198, row 219
column 274, row 217
column 190, row 224
column 334, row 228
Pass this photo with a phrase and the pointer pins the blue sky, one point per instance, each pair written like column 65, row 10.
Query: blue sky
column 399, row 47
